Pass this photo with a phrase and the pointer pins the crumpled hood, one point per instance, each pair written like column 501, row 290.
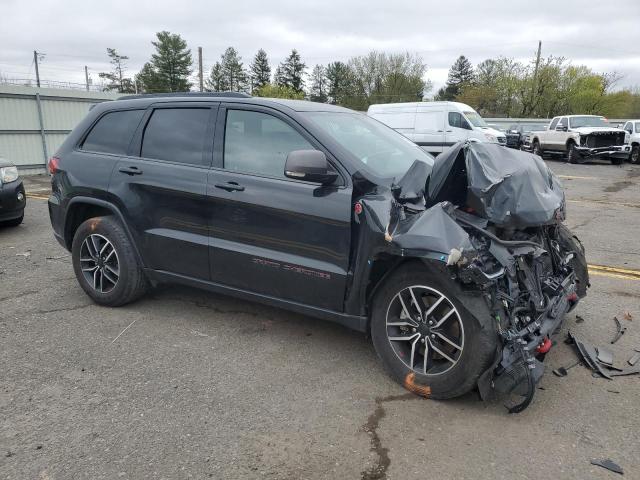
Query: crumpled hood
column 588, row 130
column 508, row 187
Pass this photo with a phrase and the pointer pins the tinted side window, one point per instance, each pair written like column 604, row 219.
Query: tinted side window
column 259, row 143
column 176, row 135
column 457, row 120
column 113, row 132
column 554, row 122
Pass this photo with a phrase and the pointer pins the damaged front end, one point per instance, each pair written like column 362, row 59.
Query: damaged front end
column 494, row 217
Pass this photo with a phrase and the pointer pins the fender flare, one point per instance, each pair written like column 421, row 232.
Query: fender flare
column 112, row 208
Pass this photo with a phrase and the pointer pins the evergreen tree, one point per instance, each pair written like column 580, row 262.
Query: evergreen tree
column 318, row 91
column 148, row 80
column 234, row 78
column 338, row 78
column 291, row 71
column 216, row 81
column 117, row 82
column 260, row 71
column 460, row 74
column 171, row 63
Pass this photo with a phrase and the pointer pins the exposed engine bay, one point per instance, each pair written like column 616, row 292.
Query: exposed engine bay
column 494, row 216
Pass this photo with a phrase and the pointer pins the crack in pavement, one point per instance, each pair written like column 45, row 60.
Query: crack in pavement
column 378, row 471
column 19, row 295
column 64, row 309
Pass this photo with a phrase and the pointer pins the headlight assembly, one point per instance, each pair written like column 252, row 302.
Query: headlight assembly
column 8, row 174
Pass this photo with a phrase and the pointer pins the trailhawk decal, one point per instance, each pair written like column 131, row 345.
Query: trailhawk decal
column 292, row 268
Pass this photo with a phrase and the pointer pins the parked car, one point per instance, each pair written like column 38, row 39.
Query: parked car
column 12, row 196
column 435, row 126
column 632, row 138
column 517, row 133
column 581, row 137
column 327, row 212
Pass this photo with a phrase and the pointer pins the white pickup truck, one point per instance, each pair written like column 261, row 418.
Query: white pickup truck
column 632, row 129
column 581, row 137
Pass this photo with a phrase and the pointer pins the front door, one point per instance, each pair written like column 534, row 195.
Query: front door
column 270, row 234
column 458, row 128
column 161, row 187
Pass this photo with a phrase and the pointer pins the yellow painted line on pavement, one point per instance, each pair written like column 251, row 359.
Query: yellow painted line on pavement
column 571, row 177
column 37, row 196
column 624, row 271
column 605, row 202
column 613, row 275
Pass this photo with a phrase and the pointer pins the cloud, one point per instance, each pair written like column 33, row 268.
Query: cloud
column 76, row 33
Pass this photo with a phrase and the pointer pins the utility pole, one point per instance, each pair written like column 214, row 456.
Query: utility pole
column 86, row 77
column 534, row 87
column 35, row 61
column 200, row 68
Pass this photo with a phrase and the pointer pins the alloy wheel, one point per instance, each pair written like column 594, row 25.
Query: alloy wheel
column 425, row 330
column 99, row 263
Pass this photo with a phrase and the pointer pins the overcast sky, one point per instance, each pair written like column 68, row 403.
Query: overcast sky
column 602, row 35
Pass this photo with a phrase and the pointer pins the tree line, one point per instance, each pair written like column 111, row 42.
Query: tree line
column 497, row 87
column 540, row 88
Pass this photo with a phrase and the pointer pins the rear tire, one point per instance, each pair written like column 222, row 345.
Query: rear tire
column 12, row 223
column 105, row 263
column 471, row 347
column 634, row 156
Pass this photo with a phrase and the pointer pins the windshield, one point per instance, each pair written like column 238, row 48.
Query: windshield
column 577, row 122
column 475, row 119
column 381, row 149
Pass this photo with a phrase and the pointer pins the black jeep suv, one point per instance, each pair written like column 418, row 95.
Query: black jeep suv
column 459, row 269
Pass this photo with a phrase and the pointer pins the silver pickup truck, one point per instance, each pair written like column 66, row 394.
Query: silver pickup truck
column 580, row 137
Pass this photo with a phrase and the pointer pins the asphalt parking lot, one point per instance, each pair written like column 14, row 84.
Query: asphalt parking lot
column 188, row 384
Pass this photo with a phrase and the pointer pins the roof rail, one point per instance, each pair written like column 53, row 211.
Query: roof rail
column 187, row 94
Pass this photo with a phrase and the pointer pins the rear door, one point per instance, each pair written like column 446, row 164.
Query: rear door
column 430, row 128
column 161, row 187
column 270, row 234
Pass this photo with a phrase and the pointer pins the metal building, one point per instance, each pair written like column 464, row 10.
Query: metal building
column 35, row 121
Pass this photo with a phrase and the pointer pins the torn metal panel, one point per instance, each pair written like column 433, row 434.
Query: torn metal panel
column 491, row 219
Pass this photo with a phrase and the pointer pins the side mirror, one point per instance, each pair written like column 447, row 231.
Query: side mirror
column 310, row 166
column 561, row 128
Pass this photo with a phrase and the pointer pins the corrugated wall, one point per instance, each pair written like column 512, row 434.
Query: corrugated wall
column 21, row 132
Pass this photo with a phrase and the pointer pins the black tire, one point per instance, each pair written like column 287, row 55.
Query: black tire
column 12, row 223
column 478, row 345
column 572, row 153
column 634, row 156
column 535, row 148
column 131, row 282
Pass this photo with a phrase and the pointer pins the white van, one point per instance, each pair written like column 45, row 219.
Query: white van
column 436, row 125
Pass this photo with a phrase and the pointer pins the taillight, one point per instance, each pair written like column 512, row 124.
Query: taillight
column 53, row 165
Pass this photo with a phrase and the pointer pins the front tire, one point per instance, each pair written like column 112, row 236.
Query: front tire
column 634, row 156
column 105, row 263
column 572, row 154
column 421, row 331
column 536, row 149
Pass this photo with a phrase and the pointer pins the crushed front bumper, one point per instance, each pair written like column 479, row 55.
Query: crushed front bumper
column 621, row 152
